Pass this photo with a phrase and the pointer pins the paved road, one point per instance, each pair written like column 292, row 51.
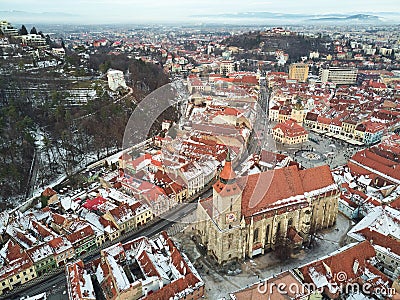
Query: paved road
column 163, row 224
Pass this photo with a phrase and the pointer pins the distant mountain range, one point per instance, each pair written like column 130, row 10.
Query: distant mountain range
column 23, row 17
column 283, row 18
column 358, row 17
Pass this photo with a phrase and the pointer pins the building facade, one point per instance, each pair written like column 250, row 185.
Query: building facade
column 298, row 72
column 246, row 216
column 338, row 75
column 115, row 79
column 289, row 133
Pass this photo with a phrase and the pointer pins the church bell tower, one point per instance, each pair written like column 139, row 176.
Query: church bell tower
column 227, row 197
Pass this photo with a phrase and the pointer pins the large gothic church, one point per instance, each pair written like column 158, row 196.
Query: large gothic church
column 245, row 215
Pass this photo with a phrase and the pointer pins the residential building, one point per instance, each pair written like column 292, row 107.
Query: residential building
column 33, row 40
column 16, row 267
column 226, row 67
column 62, row 249
column 42, row 257
column 82, row 239
column 290, row 133
column 354, row 263
column 123, row 217
column 380, row 228
column 8, row 29
column 79, row 282
column 379, row 163
column 373, row 133
column 147, row 270
column 348, row 127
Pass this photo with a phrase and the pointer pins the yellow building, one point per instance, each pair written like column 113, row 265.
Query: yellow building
column 299, row 72
column 348, row 128
column 16, row 267
column 123, row 217
column 290, row 133
column 359, row 132
column 298, row 113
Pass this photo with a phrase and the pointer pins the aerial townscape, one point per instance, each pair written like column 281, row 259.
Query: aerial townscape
column 199, row 151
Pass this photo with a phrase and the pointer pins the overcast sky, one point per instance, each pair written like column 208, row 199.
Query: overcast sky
column 103, row 11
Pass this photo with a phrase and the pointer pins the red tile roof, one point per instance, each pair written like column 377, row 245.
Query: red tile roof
column 264, row 189
column 290, row 128
column 58, row 219
column 42, row 230
column 81, row 234
column 16, row 260
column 92, row 204
column 369, row 159
column 48, row 192
column 378, row 238
column 343, row 263
column 316, row 178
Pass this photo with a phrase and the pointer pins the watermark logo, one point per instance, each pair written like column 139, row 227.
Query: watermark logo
column 340, row 282
column 340, row 277
column 243, row 130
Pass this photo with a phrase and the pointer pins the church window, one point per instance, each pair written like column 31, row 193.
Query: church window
column 290, row 223
column 256, row 234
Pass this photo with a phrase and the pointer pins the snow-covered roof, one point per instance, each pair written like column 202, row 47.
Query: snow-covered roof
column 79, row 282
column 382, row 219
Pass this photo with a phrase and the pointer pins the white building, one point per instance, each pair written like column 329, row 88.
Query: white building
column 8, row 29
column 115, row 79
column 226, row 67
column 338, row 75
column 33, row 40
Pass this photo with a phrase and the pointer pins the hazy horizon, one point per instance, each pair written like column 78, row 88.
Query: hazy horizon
column 125, row 11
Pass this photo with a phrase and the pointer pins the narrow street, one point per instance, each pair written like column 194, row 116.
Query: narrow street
column 57, row 285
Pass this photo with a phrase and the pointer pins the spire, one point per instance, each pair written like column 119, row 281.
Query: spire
column 228, row 156
column 227, row 174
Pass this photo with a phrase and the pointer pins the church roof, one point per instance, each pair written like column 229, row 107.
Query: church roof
column 275, row 189
column 281, row 187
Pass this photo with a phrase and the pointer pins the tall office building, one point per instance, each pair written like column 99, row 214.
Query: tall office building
column 338, row 75
column 298, row 71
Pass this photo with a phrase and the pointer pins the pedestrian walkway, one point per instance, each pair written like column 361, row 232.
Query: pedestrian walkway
column 188, row 220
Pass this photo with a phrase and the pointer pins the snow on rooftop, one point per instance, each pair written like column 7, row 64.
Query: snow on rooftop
column 121, row 197
column 93, row 220
column 87, row 285
column 41, row 252
column 384, row 220
column 68, row 203
column 319, row 279
column 119, row 274
column 114, row 250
